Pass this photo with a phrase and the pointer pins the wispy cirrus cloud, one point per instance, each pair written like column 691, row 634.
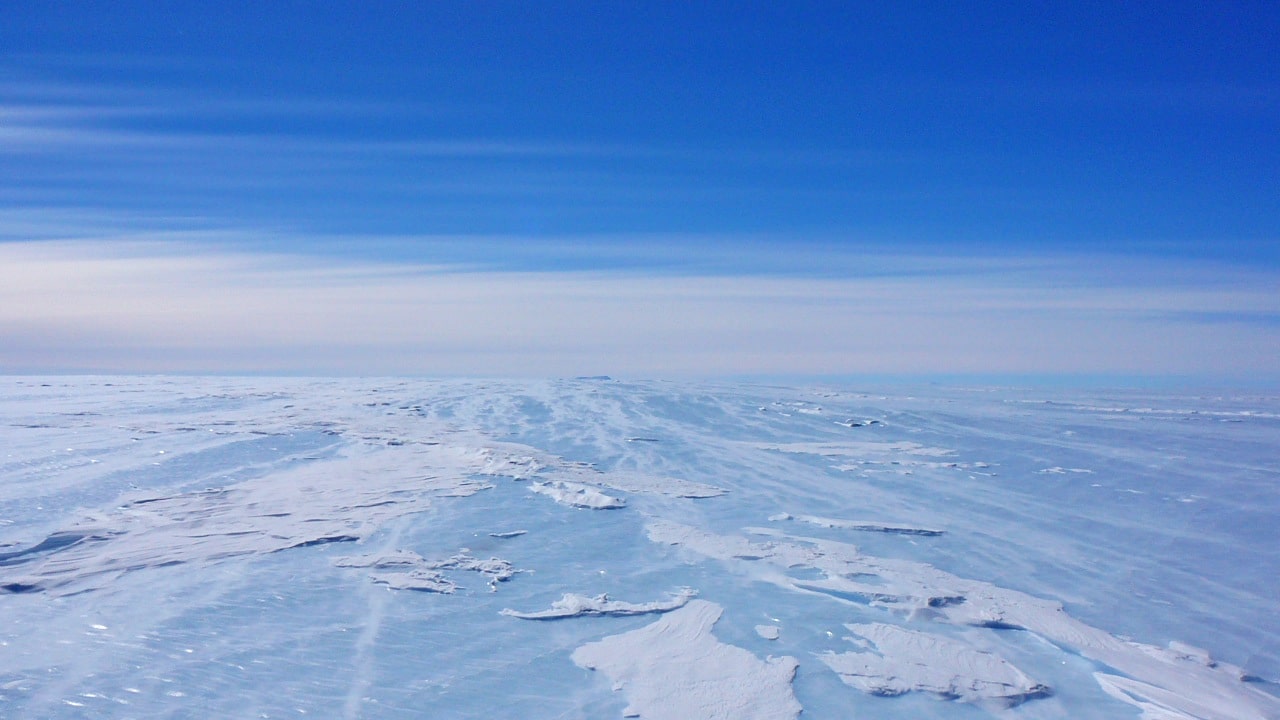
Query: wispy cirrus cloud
column 319, row 163
column 173, row 112
column 50, row 130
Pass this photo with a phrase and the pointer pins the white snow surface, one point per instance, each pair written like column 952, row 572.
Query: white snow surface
column 897, row 661
column 769, row 632
column 251, row 547
column 574, row 605
column 577, row 495
column 675, row 669
column 861, row 525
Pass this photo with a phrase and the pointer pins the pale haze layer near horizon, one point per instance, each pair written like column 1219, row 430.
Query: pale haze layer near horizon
column 651, row 190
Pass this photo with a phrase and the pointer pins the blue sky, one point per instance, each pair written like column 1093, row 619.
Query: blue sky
column 764, row 178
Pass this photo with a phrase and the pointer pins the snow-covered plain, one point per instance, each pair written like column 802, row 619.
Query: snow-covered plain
column 235, row 547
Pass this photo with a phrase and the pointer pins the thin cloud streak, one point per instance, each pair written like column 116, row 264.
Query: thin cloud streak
column 144, row 307
column 32, row 138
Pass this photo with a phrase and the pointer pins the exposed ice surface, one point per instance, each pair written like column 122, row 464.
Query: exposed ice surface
column 229, row 547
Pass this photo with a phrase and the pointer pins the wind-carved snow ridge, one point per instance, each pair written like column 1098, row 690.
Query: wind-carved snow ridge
column 897, row 661
column 1056, row 470
column 675, row 668
column 901, row 457
column 546, row 467
column 407, row 570
column 520, row 462
column 417, row 579
column 577, row 495
column 574, row 605
column 859, row 525
column 1164, row 683
column 857, row 449
column 338, row 500
column 631, row 482
column 341, row 499
column 403, row 559
column 1159, row 703
column 514, row 463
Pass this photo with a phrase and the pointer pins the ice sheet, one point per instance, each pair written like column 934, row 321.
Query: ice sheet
column 248, row 547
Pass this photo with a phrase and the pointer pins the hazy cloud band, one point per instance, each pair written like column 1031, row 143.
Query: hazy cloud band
column 161, row 307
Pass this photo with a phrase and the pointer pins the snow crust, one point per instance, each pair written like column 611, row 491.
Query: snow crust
column 768, row 632
column 673, row 487
column 574, row 605
column 858, row 448
column 230, row 547
column 676, row 669
column 1172, row 680
column 407, row 570
column 577, row 495
column 859, row 525
column 897, row 661
column 335, row 501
